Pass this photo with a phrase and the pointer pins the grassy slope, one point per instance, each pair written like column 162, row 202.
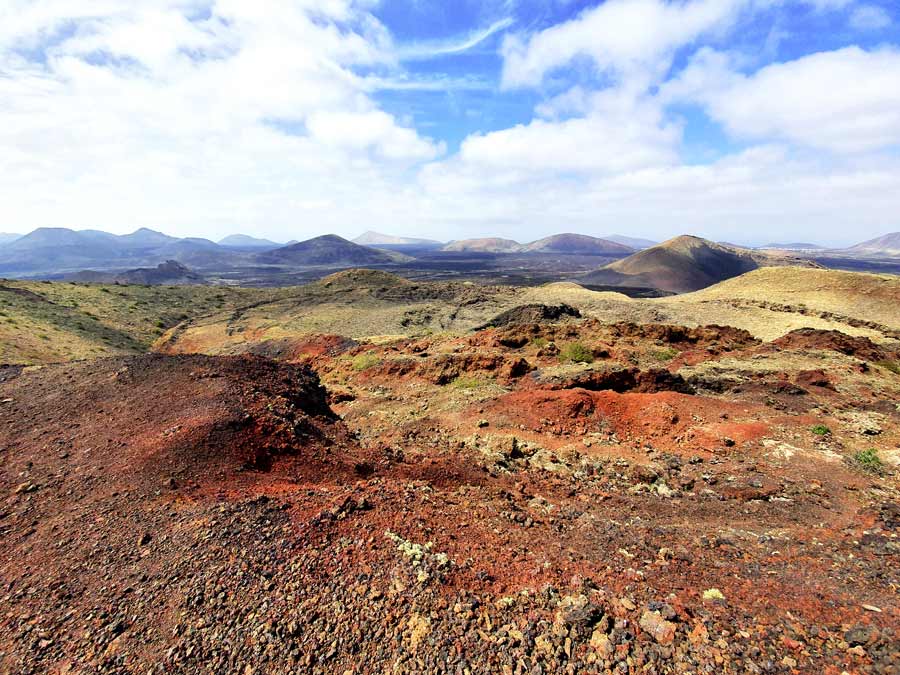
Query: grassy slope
column 363, row 305
column 43, row 322
column 871, row 297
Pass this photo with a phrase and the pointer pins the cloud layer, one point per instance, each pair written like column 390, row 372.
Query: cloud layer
column 204, row 117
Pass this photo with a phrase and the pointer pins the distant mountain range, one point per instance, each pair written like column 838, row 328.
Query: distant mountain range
column 685, row 264
column 64, row 252
column 681, row 264
column 562, row 244
column 6, row 238
column 61, row 250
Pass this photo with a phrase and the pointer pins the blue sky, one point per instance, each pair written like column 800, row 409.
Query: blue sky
column 780, row 33
column 742, row 120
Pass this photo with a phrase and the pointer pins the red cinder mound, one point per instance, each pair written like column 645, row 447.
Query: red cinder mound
column 300, row 349
column 725, row 336
column 833, row 340
column 156, row 420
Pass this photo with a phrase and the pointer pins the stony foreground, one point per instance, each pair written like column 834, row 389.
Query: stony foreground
column 672, row 501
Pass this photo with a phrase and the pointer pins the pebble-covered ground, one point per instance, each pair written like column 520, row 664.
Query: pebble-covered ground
column 656, row 500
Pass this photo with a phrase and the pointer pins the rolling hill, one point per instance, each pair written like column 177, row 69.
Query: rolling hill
column 488, row 245
column 684, row 264
column 170, row 273
column 247, row 242
column 376, row 239
column 145, row 238
column 887, row 246
column 328, row 249
column 8, row 238
column 637, row 243
column 578, row 244
column 43, row 322
column 862, row 296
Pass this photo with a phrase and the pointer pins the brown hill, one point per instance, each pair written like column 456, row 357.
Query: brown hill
column 578, row 244
column 489, row 245
column 685, row 264
column 328, row 249
column 887, row 246
column 371, row 238
column 169, row 273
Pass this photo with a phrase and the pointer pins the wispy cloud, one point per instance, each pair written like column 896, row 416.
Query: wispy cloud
column 420, row 51
column 406, row 82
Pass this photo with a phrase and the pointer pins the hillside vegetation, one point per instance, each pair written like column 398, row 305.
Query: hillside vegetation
column 42, row 322
column 870, row 297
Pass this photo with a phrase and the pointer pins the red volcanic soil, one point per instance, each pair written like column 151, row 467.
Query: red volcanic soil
column 810, row 338
column 167, row 514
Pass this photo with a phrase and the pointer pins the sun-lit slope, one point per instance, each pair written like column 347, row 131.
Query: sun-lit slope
column 768, row 303
column 861, row 296
column 886, row 246
column 43, row 322
column 362, row 304
column 685, row 264
column 355, row 304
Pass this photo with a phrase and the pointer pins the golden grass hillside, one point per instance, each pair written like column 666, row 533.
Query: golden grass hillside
column 367, row 305
column 872, row 297
column 359, row 304
column 44, row 322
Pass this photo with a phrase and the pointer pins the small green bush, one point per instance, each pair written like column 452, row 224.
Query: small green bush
column 663, row 355
column 464, row 382
column 891, row 366
column 365, row 361
column 576, row 352
column 821, row 430
column 868, row 461
column 539, row 342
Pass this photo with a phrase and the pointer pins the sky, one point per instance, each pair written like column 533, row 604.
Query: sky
column 748, row 121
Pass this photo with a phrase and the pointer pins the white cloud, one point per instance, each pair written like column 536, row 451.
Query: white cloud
column 622, row 36
column 201, row 116
column 870, row 17
column 843, row 101
column 373, row 130
column 194, row 113
column 620, row 131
